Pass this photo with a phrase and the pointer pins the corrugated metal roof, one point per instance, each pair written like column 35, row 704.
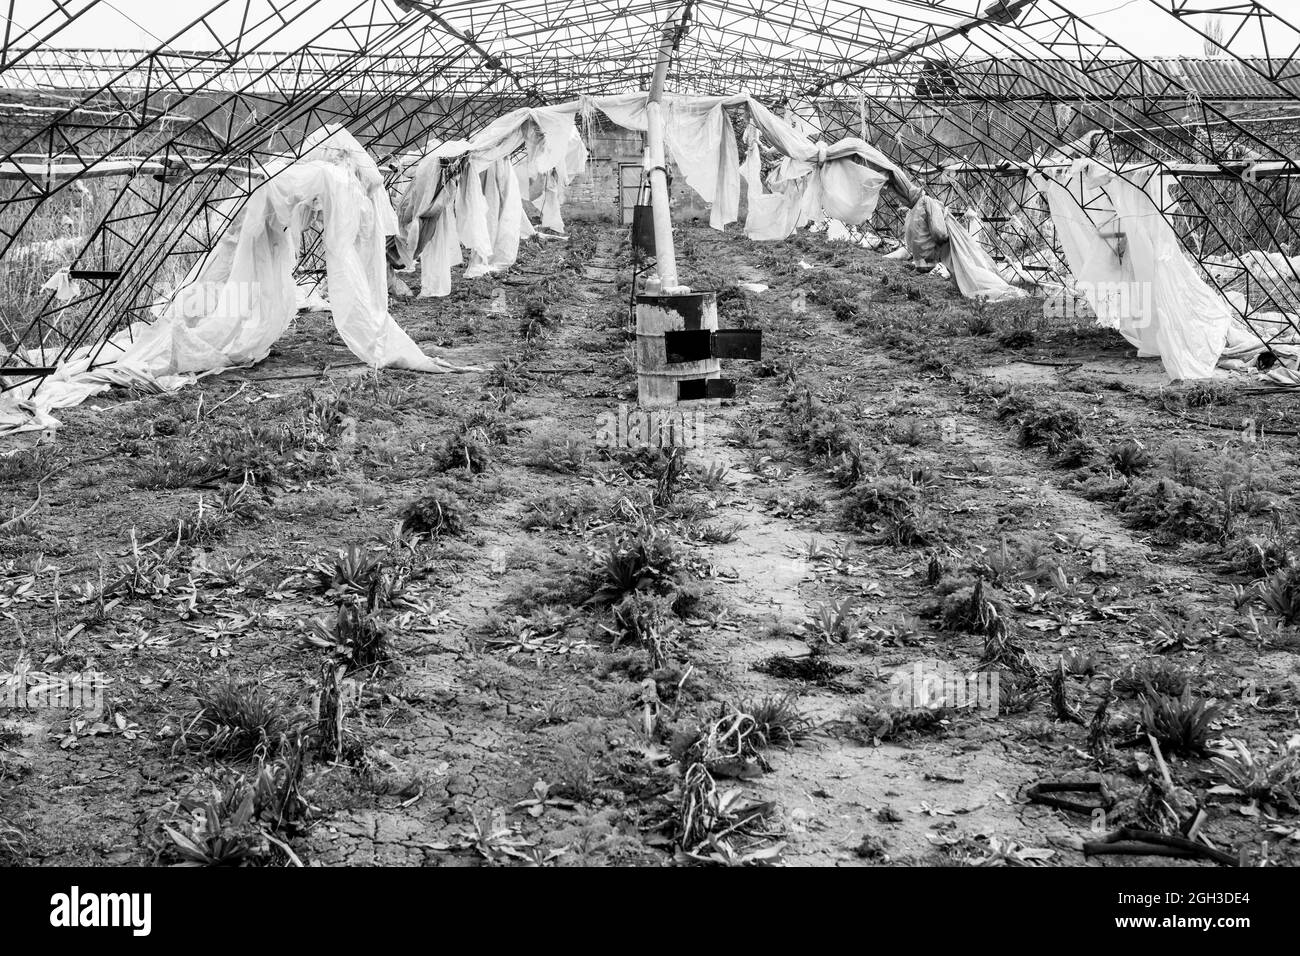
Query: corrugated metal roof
column 1165, row 78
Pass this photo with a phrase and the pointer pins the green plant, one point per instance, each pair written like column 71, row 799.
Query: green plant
column 354, row 638
column 1243, row 775
column 1075, row 452
column 1050, row 426
column 14, row 843
column 642, row 619
column 674, row 469
column 559, row 511
column 711, row 823
column 1018, row 693
column 223, row 831
column 884, row 723
column 240, row 720
column 26, row 465
column 1182, row 462
column 580, row 760
column 979, row 323
column 904, row 631
column 1209, row 392
column 1241, row 485
column 909, row 431
column 719, row 533
column 713, row 476
column 238, row 821
column 569, row 457
column 360, row 574
column 642, row 556
column 510, row 374
column 1016, row 336
column 1172, row 510
column 777, row 720
column 1257, row 556
column 1020, row 558
column 1079, row 663
column 834, row 621
column 968, row 609
column 1181, row 724
column 468, row 449
column 434, row 514
column 1280, row 592
column 728, row 741
column 538, row 321
column 894, row 503
column 1159, row 673
column 1129, row 458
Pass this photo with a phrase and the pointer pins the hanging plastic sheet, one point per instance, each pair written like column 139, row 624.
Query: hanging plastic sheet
column 467, row 193
column 933, row 234
column 815, row 181
column 1130, row 266
column 237, row 303
column 64, row 287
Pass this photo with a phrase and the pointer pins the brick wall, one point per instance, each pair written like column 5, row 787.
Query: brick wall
column 594, row 194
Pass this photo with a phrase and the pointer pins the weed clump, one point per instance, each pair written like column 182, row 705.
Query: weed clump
column 879, row 724
column 635, row 558
column 967, row 609
column 833, row 622
column 1129, row 459
column 240, row 720
column 14, row 843
column 356, row 638
column 1281, row 594
column 892, row 503
column 777, row 721
column 1258, row 557
column 538, row 321
column 1017, row 336
column 435, row 514
column 1181, row 724
column 1051, row 427
column 568, row 511
column 1172, row 510
column 468, row 449
column 240, row 821
column 1159, row 674
column 1273, row 783
column 812, row 668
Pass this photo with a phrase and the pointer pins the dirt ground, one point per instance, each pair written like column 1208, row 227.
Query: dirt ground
column 349, row 619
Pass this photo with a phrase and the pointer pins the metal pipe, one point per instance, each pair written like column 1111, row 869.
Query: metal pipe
column 655, row 159
column 998, row 13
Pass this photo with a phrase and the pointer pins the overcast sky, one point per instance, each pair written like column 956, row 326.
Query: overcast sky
column 1137, row 24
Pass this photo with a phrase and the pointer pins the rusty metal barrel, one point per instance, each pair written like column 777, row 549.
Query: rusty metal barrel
column 659, row 382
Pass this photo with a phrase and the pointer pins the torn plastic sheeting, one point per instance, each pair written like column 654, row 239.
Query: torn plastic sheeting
column 972, row 269
column 64, row 287
column 842, row 180
column 1147, row 288
column 933, row 234
column 925, row 230
column 241, row 298
column 487, row 215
